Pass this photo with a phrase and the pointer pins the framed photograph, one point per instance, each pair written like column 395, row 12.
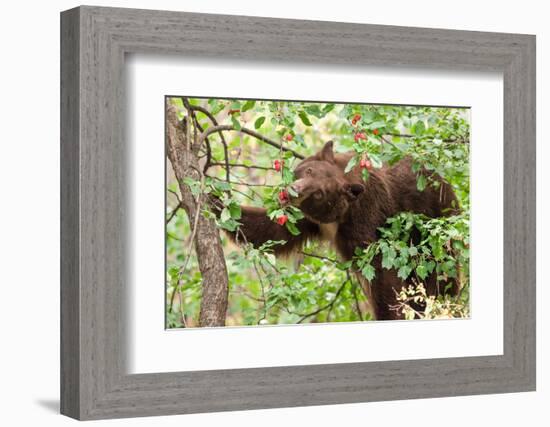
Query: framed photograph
column 262, row 213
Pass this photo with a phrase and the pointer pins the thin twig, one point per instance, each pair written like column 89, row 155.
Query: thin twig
column 198, row 126
column 175, row 238
column 387, row 141
column 178, row 206
column 243, row 193
column 241, row 182
column 330, row 304
column 174, row 212
column 240, row 291
column 320, row 257
column 357, row 306
column 189, row 247
column 356, row 299
column 175, row 194
column 262, row 288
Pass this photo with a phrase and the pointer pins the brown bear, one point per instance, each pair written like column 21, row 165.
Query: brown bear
column 347, row 211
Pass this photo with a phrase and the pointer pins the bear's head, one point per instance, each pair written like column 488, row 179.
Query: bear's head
column 322, row 190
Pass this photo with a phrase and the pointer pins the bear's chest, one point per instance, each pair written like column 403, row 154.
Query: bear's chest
column 329, row 231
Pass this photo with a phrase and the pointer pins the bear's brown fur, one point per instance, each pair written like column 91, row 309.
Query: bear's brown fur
column 347, row 211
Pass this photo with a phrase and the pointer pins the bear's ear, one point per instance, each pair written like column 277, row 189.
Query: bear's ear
column 327, row 153
column 353, row 190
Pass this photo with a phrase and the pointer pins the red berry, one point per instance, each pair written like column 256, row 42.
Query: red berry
column 358, row 136
column 283, row 196
column 375, row 132
column 365, row 164
column 289, row 137
column 355, row 119
column 281, row 220
column 278, row 165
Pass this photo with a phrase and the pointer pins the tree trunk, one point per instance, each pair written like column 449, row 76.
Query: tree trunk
column 183, row 155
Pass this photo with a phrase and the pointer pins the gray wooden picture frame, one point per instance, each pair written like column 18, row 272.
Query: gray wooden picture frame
column 94, row 268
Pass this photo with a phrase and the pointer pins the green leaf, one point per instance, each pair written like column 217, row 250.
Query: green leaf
column 328, row 108
column 225, row 215
column 292, row 192
column 430, row 265
column 351, row 164
column 375, row 160
column 421, row 182
column 422, row 271
column 194, row 186
column 222, row 185
column 259, row 122
column 292, row 228
column 218, row 106
column 248, row 105
column 230, row 225
column 288, row 176
column 344, row 265
column 388, row 258
column 304, row 118
column 368, row 272
column 418, row 128
column 314, row 110
column 296, row 212
column 235, row 210
column 190, row 181
column 404, row 272
column 275, row 213
column 235, row 122
column 300, row 140
column 376, row 125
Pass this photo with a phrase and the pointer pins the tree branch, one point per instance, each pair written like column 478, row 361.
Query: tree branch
column 174, row 212
column 404, row 135
column 208, row 149
column 258, row 136
column 242, row 165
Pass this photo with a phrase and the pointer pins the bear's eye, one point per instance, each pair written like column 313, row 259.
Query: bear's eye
column 309, row 171
column 318, row 195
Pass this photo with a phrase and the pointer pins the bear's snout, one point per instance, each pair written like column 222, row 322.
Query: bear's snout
column 298, row 187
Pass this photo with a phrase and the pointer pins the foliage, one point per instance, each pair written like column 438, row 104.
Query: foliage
column 443, row 247
column 314, row 286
